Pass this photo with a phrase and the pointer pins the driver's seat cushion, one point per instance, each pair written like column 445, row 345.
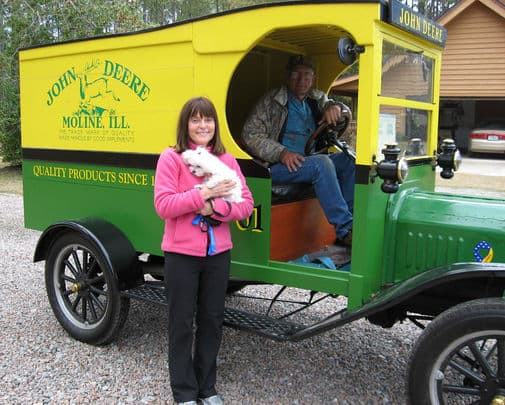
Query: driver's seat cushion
column 288, row 192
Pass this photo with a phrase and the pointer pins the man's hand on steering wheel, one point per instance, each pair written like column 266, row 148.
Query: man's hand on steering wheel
column 293, row 161
column 331, row 115
column 335, row 121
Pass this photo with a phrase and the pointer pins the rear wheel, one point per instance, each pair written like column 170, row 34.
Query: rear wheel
column 460, row 357
column 83, row 291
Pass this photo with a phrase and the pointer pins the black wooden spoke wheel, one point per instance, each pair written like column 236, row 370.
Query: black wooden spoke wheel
column 460, row 357
column 83, row 291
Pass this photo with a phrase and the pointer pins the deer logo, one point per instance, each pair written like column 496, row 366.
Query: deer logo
column 94, row 91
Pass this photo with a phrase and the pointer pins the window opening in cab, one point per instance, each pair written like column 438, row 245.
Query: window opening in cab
column 264, row 67
column 298, row 224
column 345, row 90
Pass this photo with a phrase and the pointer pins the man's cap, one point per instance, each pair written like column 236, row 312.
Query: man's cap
column 297, row 60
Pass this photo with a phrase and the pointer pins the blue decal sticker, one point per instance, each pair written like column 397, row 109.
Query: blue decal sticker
column 477, row 252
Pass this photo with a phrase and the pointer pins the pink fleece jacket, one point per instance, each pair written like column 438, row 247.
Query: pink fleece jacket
column 176, row 200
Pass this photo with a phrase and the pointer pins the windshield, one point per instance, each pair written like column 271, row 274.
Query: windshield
column 407, row 127
column 406, row 75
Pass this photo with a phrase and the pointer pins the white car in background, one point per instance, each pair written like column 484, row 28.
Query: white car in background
column 489, row 137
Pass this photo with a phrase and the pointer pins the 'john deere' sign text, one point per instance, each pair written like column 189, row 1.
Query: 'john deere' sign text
column 403, row 17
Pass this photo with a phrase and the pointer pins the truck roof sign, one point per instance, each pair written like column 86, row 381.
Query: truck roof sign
column 409, row 20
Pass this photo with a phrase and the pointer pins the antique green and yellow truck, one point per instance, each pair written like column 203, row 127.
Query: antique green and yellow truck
column 96, row 113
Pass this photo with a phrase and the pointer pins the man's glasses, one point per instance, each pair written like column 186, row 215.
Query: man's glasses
column 301, row 75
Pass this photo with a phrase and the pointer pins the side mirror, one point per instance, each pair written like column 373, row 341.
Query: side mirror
column 348, row 50
column 393, row 170
column 449, row 159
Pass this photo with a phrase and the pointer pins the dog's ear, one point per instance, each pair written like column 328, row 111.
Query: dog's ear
column 186, row 155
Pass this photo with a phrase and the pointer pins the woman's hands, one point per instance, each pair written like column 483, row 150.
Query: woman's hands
column 221, row 189
column 206, row 210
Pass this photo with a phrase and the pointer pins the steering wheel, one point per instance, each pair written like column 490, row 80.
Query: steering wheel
column 326, row 135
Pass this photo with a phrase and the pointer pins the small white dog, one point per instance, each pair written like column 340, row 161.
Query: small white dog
column 203, row 163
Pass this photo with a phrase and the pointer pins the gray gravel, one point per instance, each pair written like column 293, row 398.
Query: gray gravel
column 357, row 364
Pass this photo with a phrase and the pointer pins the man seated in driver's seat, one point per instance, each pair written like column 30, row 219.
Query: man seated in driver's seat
column 277, row 130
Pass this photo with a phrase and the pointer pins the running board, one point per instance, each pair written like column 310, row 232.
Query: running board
column 276, row 329
column 266, row 326
column 150, row 291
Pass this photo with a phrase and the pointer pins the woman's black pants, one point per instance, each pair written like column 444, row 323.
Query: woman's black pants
column 196, row 289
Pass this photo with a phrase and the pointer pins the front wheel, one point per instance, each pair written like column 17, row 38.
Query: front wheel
column 460, row 356
column 83, row 291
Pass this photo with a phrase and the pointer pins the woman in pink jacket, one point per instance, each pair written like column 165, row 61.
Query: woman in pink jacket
column 197, row 252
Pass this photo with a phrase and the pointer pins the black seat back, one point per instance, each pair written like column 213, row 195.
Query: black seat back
column 289, row 192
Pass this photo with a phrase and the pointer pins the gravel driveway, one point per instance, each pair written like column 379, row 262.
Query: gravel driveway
column 357, row 364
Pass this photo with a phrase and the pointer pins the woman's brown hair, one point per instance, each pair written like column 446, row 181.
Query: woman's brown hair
column 203, row 107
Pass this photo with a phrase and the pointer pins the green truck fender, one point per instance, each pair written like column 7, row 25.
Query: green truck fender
column 433, row 291
column 428, row 293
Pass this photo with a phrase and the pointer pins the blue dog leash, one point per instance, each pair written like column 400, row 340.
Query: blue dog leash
column 205, row 227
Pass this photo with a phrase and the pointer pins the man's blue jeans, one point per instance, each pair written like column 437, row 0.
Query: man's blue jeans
column 333, row 178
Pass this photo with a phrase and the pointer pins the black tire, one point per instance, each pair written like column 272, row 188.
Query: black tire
column 83, row 291
column 460, row 356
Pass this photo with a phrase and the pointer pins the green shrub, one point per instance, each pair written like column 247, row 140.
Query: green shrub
column 10, row 142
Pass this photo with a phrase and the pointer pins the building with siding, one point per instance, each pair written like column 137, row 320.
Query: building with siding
column 472, row 87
